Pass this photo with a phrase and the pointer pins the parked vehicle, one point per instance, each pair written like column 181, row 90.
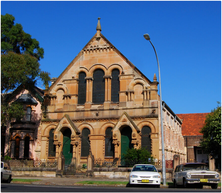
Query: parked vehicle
column 144, row 174
column 6, row 173
column 195, row 173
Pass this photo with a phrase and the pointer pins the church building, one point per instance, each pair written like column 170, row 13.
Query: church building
column 101, row 103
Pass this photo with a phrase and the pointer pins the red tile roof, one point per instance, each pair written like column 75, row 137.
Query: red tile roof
column 192, row 123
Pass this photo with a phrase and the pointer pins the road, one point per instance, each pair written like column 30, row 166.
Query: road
column 44, row 188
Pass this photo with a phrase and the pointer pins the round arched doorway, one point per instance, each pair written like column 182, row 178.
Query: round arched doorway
column 67, row 147
column 126, row 138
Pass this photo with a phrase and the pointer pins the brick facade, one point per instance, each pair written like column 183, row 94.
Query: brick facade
column 191, row 127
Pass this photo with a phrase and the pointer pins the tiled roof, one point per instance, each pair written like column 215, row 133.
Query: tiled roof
column 27, row 99
column 192, row 123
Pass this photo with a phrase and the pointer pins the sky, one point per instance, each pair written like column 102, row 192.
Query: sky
column 186, row 36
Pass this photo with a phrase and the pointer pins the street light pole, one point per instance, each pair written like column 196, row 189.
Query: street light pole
column 147, row 37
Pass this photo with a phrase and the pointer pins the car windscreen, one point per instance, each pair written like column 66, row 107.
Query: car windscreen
column 144, row 168
column 195, row 167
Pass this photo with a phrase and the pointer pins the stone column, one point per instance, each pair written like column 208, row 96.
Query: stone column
column 21, row 149
column 12, row 149
column 31, row 149
column 43, row 149
column 176, row 161
column 211, row 163
column 107, row 92
column 88, row 92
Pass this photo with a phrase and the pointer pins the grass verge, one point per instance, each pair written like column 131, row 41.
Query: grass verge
column 24, row 180
column 103, row 182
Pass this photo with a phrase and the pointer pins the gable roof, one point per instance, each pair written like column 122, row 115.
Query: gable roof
column 26, row 99
column 34, row 90
column 192, row 123
column 88, row 47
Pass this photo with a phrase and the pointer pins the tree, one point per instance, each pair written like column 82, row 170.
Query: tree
column 137, row 156
column 211, row 142
column 20, row 55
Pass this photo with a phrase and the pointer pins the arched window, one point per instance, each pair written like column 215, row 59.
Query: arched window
column 115, row 86
column 146, row 139
column 26, row 147
column 82, row 88
column 17, row 146
column 85, row 142
column 28, row 114
column 98, row 87
column 52, row 147
column 109, row 146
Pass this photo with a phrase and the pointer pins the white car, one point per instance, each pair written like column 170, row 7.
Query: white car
column 195, row 173
column 6, row 173
column 144, row 174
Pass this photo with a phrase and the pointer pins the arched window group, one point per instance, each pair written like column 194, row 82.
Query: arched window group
column 109, row 146
column 146, row 139
column 85, row 142
column 52, row 147
column 26, row 147
column 25, row 150
column 82, row 88
column 115, row 86
column 98, row 90
column 98, row 87
column 17, row 147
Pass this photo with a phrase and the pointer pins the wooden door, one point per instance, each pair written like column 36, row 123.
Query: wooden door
column 67, row 151
column 125, row 140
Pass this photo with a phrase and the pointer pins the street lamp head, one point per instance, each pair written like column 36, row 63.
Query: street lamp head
column 146, row 36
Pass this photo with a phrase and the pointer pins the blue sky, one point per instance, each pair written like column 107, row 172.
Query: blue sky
column 186, row 35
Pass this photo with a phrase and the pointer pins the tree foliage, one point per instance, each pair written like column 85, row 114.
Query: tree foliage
column 15, row 110
column 20, row 55
column 211, row 141
column 137, row 156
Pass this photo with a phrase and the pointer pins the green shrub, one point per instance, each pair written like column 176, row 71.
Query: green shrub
column 7, row 158
column 137, row 156
column 84, row 166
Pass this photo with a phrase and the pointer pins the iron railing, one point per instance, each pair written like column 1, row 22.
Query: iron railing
column 32, row 163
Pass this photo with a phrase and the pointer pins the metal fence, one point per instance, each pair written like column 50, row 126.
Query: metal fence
column 117, row 162
column 45, row 164
column 32, row 163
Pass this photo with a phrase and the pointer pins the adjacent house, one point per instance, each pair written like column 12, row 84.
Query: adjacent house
column 20, row 138
column 191, row 127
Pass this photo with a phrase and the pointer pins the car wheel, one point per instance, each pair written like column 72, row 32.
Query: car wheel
column 175, row 184
column 1, row 177
column 9, row 179
column 214, row 186
column 185, row 183
column 128, row 185
column 158, row 186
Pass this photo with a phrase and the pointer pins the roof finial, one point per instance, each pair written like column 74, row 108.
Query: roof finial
column 98, row 25
column 98, row 29
column 154, row 78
